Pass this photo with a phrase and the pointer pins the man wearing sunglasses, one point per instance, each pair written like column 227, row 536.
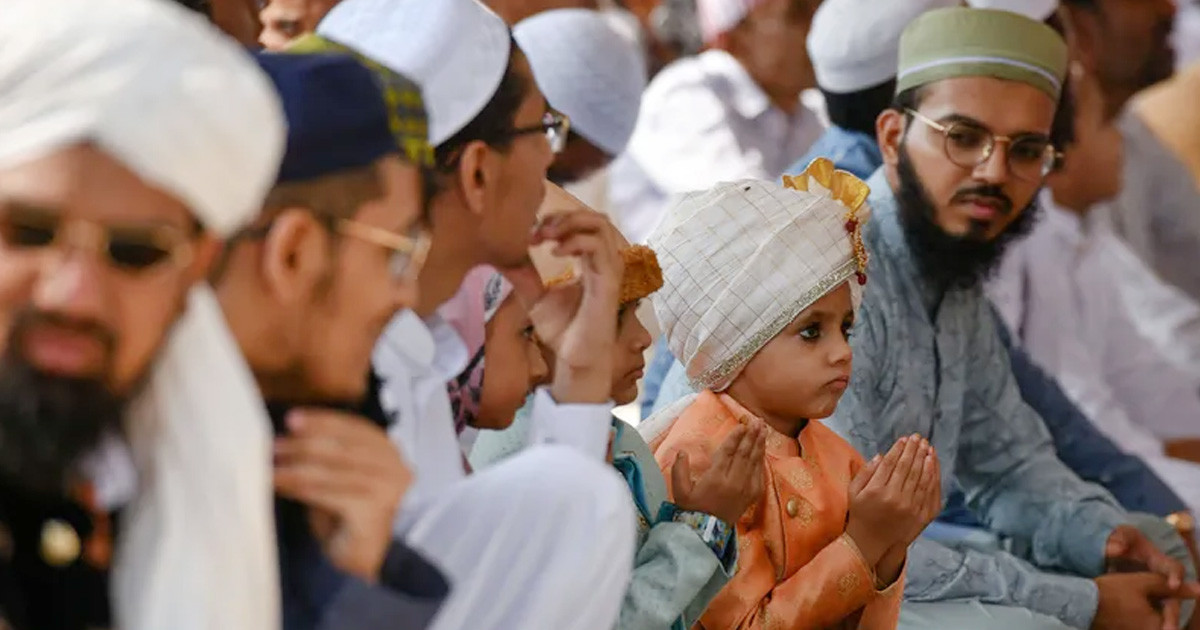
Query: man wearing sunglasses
column 134, row 448
column 551, row 528
column 307, row 288
column 966, row 146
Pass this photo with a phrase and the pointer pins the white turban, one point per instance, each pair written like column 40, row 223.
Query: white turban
column 456, row 50
column 855, row 44
column 742, row 260
column 1039, row 10
column 162, row 92
column 588, row 71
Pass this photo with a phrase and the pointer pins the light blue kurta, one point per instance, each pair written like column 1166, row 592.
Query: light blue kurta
column 931, row 363
column 675, row 574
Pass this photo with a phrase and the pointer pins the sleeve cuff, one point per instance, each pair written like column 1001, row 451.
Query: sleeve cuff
column 585, row 427
column 405, row 571
column 849, row 542
column 362, row 606
column 1084, row 540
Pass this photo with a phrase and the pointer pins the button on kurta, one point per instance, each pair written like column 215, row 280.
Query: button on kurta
column 793, row 507
column 60, row 543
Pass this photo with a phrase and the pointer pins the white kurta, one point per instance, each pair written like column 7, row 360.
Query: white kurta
column 1058, row 291
column 703, row 120
column 544, row 541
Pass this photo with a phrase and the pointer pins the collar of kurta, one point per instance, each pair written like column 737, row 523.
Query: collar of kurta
column 427, row 347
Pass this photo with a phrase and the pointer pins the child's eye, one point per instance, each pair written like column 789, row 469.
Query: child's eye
column 811, row 333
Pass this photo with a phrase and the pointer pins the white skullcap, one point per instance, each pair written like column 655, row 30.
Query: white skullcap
column 855, row 44
column 159, row 90
column 742, row 260
column 719, row 16
column 1039, row 10
column 456, row 50
column 588, row 71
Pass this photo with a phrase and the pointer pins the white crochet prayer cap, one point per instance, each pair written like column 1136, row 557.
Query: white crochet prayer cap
column 742, row 260
column 184, row 108
column 855, row 44
column 457, row 51
column 1039, row 10
column 588, row 71
column 718, row 16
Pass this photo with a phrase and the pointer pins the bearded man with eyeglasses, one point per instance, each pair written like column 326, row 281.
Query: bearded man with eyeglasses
column 966, row 146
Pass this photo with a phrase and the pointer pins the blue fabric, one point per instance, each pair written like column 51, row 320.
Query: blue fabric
column 336, row 114
column 1080, row 445
column 851, row 151
column 656, row 372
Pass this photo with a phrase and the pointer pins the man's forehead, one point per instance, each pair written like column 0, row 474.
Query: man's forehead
column 1005, row 107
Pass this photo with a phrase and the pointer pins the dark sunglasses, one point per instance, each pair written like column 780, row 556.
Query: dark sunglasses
column 126, row 247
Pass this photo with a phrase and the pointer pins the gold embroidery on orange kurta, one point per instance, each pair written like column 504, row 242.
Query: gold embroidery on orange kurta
column 848, row 583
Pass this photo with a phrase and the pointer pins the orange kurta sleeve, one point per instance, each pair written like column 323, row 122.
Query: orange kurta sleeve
column 832, row 586
column 883, row 613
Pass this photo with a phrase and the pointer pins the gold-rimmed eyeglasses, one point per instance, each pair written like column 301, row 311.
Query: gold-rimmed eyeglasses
column 1030, row 156
column 408, row 252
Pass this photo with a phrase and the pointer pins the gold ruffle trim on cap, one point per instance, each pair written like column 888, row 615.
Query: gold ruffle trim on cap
column 844, row 188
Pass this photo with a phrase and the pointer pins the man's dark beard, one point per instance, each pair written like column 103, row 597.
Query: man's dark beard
column 947, row 261
column 49, row 422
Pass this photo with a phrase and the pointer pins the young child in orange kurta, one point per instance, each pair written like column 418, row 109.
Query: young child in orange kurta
column 761, row 284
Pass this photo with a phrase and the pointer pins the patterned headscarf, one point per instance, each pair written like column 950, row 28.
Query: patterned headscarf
column 468, row 312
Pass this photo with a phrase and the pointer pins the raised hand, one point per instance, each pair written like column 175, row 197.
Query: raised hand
column 892, row 499
column 351, row 477
column 732, row 483
column 577, row 321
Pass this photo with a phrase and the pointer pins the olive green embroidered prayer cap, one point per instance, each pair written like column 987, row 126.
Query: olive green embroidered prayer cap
column 965, row 42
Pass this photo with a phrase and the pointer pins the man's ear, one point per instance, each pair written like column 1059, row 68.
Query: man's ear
column 1083, row 35
column 475, row 175
column 889, row 132
column 295, row 257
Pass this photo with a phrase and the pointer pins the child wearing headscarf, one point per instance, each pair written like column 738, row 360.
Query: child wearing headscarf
column 496, row 329
column 761, row 286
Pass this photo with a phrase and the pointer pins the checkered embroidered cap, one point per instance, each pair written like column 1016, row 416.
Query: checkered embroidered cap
column 403, row 106
column 742, row 260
